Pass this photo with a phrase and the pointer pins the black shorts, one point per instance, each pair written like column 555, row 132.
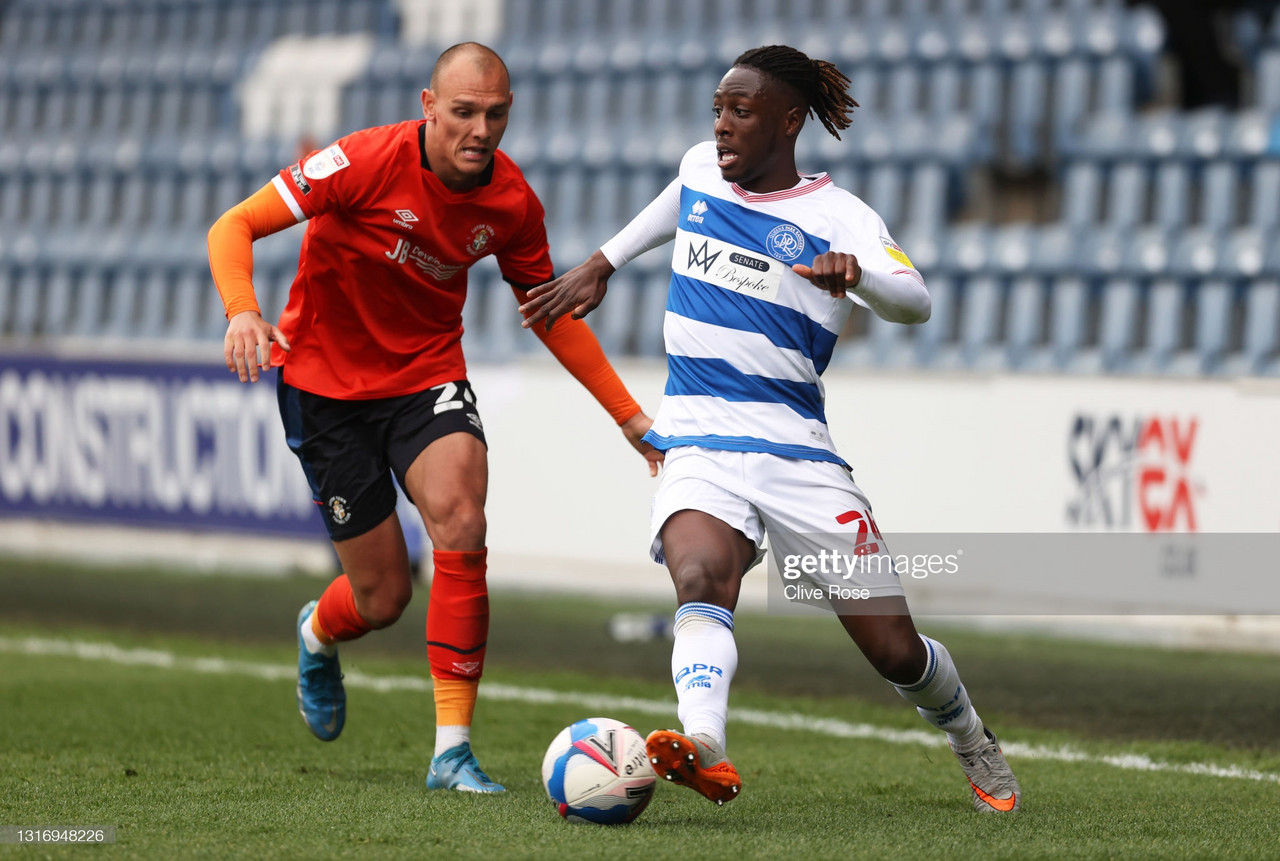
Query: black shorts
column 350, row 449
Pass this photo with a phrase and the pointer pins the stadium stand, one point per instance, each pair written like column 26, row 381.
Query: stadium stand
column 127, row 126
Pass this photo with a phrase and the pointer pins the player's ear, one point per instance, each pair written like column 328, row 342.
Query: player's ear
column 793, row 121
column 429, row 105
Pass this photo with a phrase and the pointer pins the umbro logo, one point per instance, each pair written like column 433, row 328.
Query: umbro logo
column 696, row 211
column 405, row 218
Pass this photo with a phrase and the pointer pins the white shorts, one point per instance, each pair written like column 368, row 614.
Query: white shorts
column 817, row 520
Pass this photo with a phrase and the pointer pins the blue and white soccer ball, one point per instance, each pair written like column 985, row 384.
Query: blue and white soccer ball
column 596, row 770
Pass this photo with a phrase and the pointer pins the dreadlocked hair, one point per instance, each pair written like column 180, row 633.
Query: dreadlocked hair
column 823, row 87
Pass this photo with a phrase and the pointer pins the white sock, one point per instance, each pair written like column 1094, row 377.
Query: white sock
column 312, row 642
column 703, row 660
column 941, row 699
column 451, row 736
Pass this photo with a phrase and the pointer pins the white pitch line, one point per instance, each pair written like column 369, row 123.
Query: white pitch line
column 606, row 703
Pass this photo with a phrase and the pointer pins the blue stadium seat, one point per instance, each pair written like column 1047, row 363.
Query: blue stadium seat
column 57, row 302
column 1126, row 195
column 614, row 321
column 1028, row 102
column 927, row 200
column 1218, row 202
column 1195, row 253
column 1203, row 133
column 653, row 310
column 1264, row 199
column 1024, row 326
column 1148, row 251
column 1245, row 254
column 1056, row 250
column 885, row 193
column 1162, row 327
column 1260, row 353
column 1213, row 311
column 979, row 323
column 1267, row 81
column 1082, row 194
column 1012, row 249
column 1171, row 199
column 1070, row 102
column 934, row 340
column 26, row 304
column 1249, row 134
column 85, row 313
column 1116, row 87
column 1117, row 329
column 1068, row 306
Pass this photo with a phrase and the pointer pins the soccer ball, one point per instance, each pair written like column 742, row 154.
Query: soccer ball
column 596, row 770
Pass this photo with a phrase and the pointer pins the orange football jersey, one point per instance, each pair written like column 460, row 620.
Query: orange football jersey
column 376, row 308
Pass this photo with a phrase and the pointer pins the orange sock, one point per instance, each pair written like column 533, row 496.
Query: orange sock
column 336, row 618
column 458, row 615
column 455, row 701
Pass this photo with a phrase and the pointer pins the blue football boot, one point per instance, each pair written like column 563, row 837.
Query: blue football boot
column 457, row 768
column 322, row 701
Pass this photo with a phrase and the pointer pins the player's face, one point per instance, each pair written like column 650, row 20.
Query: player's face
column 466, row 116
column 755, row 131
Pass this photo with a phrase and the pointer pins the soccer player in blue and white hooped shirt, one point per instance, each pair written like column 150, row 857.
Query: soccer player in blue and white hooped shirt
column 767, row 266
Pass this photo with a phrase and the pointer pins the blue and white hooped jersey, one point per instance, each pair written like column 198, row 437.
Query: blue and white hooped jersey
column 747, row 339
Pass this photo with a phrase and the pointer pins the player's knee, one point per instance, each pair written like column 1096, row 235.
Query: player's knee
column 383, row 606
column 463, row 527
column 897, row 662
column 701, row 579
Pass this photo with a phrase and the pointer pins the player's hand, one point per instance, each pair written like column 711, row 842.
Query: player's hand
column 835, row 272
column 577, row 292
column 247, row 346
column 634, row 429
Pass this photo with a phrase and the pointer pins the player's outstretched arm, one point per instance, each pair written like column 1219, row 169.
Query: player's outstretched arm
column 247, row 345
column 576, row 348
column 578, row 292
column 898, row 297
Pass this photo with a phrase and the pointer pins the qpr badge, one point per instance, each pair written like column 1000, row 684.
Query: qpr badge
column 785, row 242
column 338, row 510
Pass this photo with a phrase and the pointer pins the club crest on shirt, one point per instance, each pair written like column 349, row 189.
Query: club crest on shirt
column 338, row 510
column 481, row 236
column 785, row 242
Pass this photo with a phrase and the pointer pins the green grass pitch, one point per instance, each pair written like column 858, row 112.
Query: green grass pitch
column 183, row 734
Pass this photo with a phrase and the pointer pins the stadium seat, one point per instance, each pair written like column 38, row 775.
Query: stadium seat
column 1264, row 196
column 1218, row 201
column 981, row 301
column 1117, row 329
column 26, row 305
column 1068, row 306
column 1024, row 326
column 85, row 315
column 1127, row 189
column 1213, row 312
column 1260, row 353
column 1171, row 196
column 653, row 309
column 1162, row 327
column 934, row 340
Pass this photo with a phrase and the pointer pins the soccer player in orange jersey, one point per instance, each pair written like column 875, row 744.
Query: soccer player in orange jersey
column 372, row 379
